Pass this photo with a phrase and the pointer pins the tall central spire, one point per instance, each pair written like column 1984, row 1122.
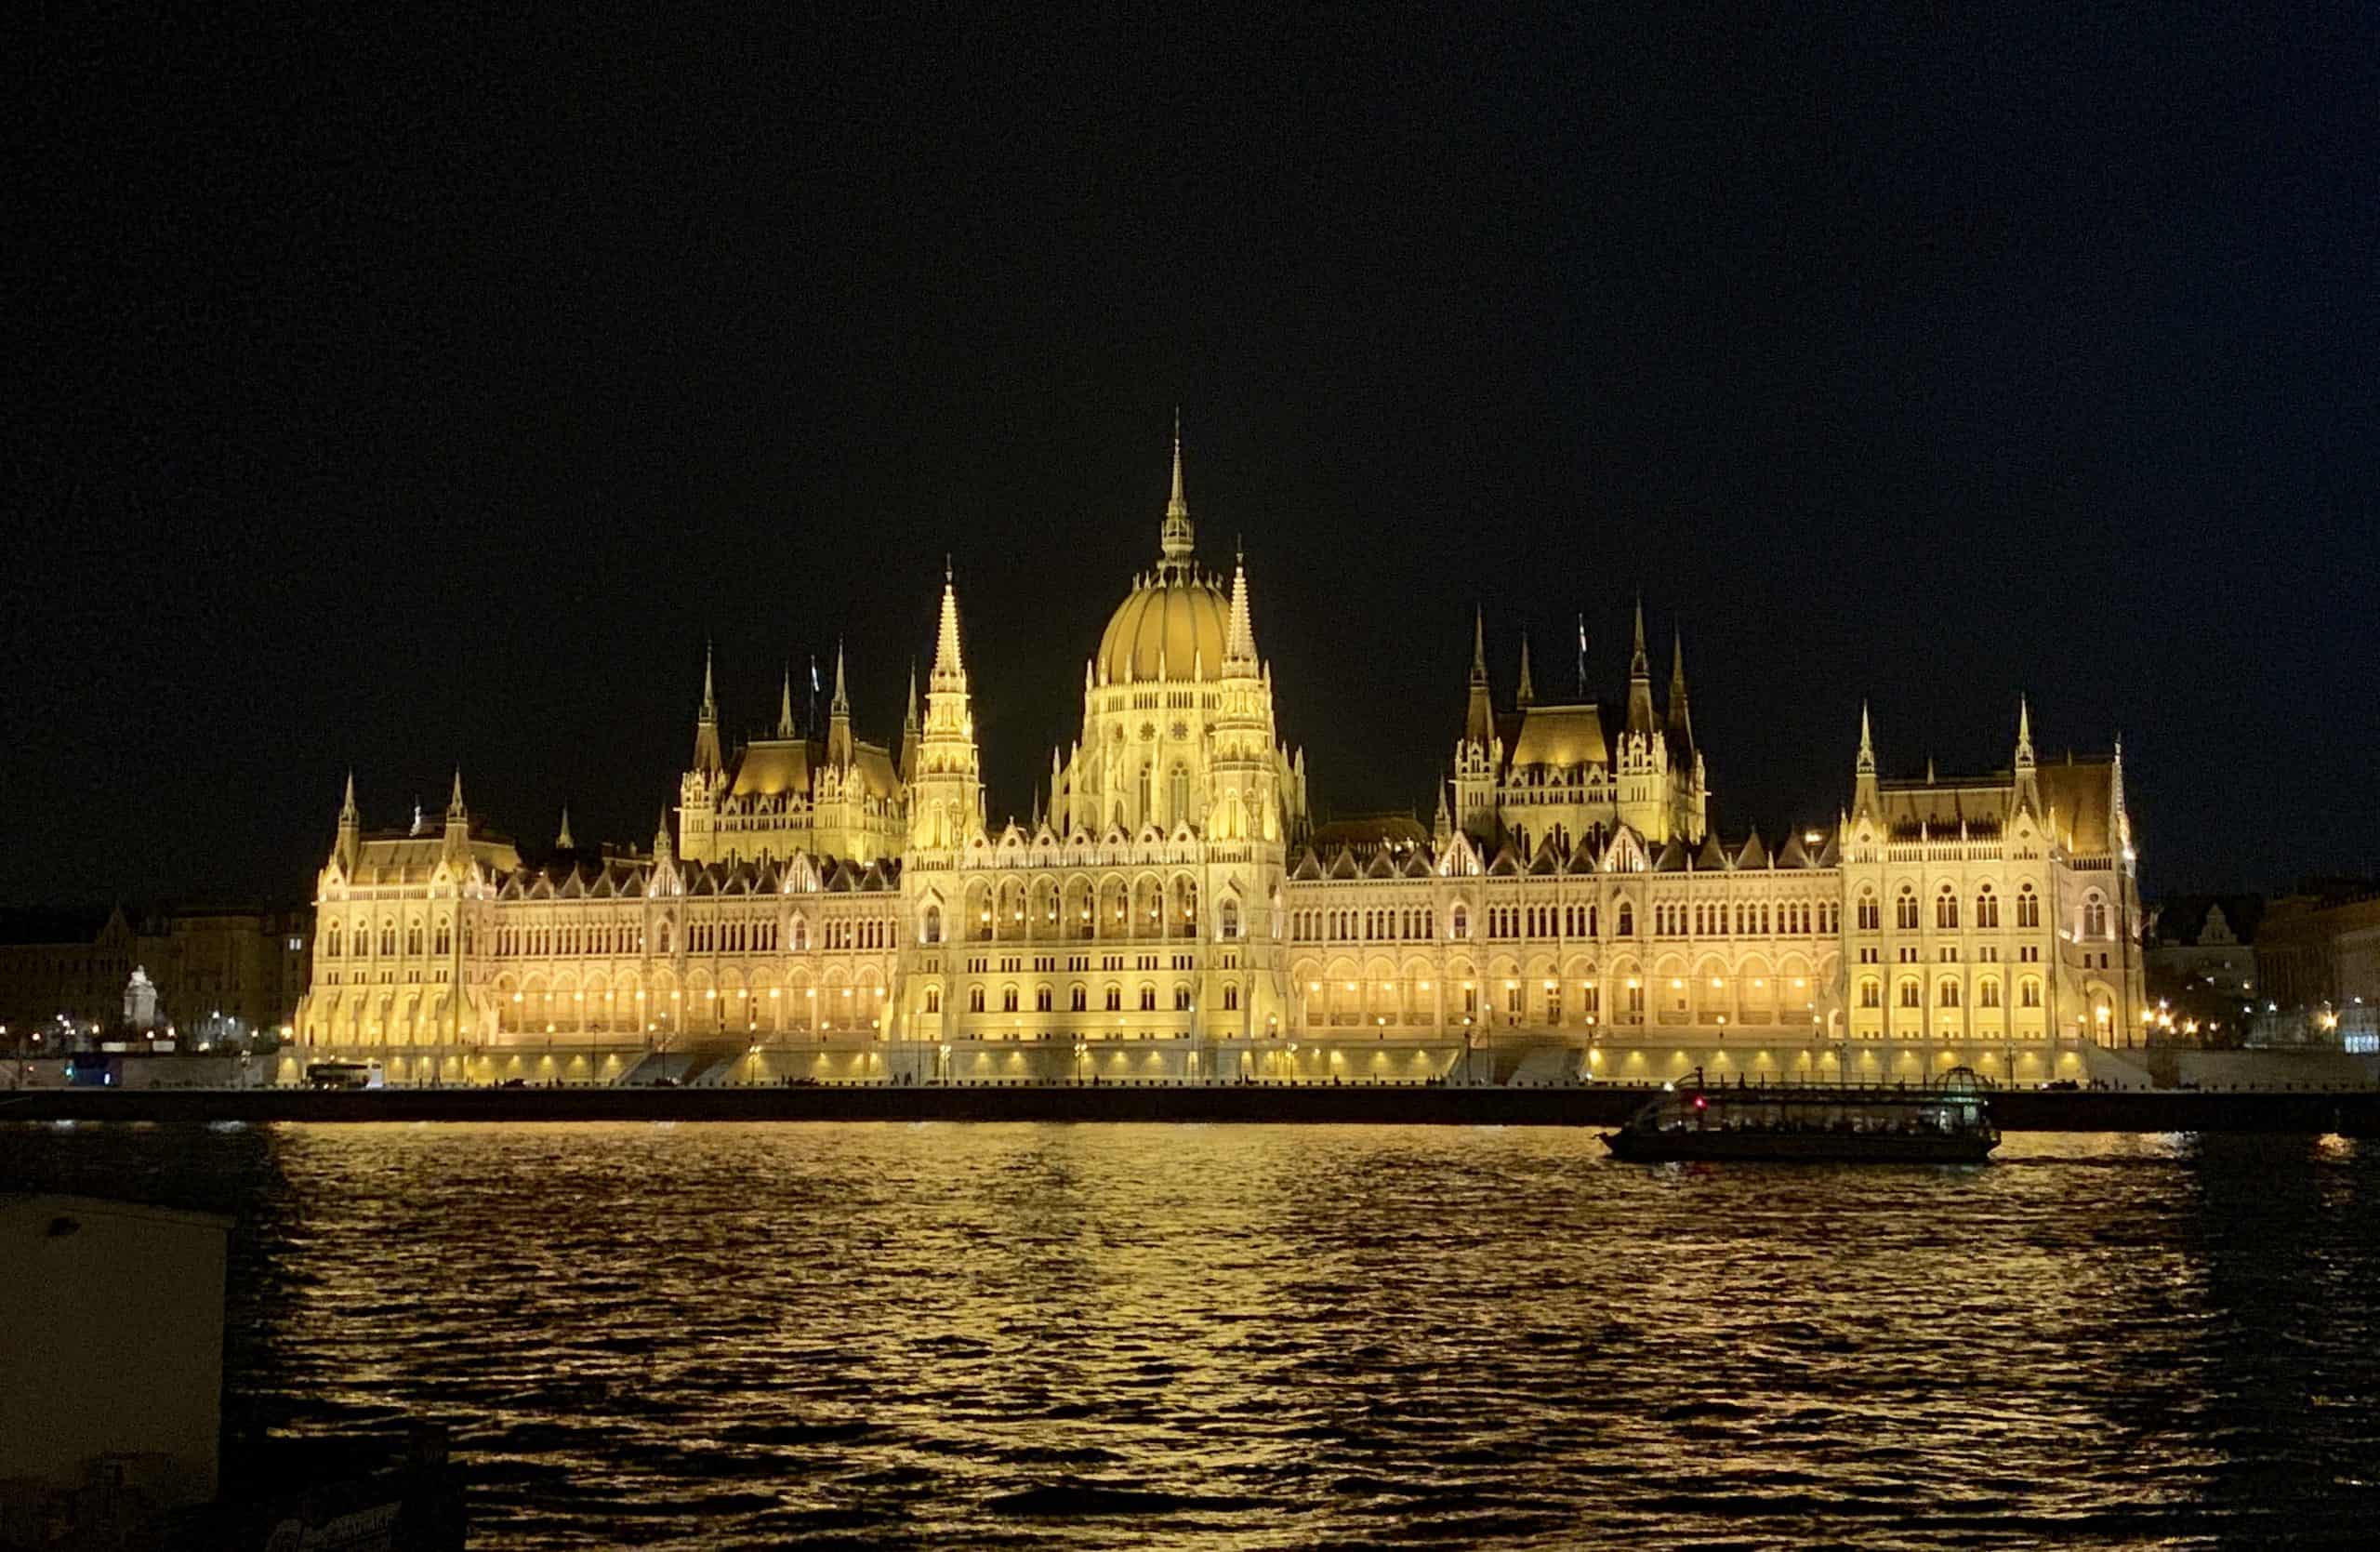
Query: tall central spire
column 1176, row 537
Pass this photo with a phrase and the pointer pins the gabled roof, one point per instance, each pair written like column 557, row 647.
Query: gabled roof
column 1673, row 858
column 1754, row 855
column 1713, row 857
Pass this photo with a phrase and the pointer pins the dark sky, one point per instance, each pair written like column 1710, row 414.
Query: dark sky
column 393, row 398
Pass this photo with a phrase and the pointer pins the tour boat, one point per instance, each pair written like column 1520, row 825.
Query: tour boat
column 1945, row 1121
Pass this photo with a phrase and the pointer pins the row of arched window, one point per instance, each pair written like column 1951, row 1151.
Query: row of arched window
column 1986, row 908
column 441, row 940
column 1910, row 992
column 1077, row 999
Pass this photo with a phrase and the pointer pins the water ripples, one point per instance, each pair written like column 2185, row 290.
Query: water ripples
column 1257, row 1337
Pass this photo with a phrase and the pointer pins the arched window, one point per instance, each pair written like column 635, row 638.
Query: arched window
column 1007, row 1000
column 1946, row 995
column 933, row 999
column 330, row 942
column 1148, row 999
column 2029, row 993
column 975, row 999
column 2028, row 908
column 1231, row 998
column 1181, row 999
column 929, row 925
column 1627, row 920
column 1909, row 994
column 1871, row 914
column 1079, row 999
column 1146, row 815
column 2095, row 915
column 1459, row 922
column 1872, row 994
column 1946, row 910
column 1987, row 908
column 1042, row 1000
column 1987, row 994
column 387, row 937
column 445, row 940
column 1178, row 795
column 1227, row 919
column 799, row 934
column 1905, row 909
column 1114, row 998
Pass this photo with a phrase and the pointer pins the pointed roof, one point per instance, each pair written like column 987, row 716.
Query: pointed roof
column 841, row 705
column 562, row 843
column 1867, row 765
column 710, row 699
column 348, row 812
column 1478, row 643
column 785, row 705
column 910, row 720
column 1681, row 719
column 1754, row 854
column 1176, row 537
column 455, row 809
column 1640, row 683
column 1239, row 642
column 2024, row 734
column 949, row 673
column 1713, row 857
column 1527, row 691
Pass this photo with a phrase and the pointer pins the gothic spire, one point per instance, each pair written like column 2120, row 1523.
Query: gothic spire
column 706, row 758
column 785, row 705
column 562, row 841
column 1176, row 537
column 1867, row 765
column 1479, row 716
column 841, row 705
column 1640, row 684
column 949, row 673
column 1240, row 644
column 2024, row 734
column 348, row 813
column 455, row 809
column 1681, row 719
column 1527, row 691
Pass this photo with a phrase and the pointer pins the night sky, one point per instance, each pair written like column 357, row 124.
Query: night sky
column 404, row 397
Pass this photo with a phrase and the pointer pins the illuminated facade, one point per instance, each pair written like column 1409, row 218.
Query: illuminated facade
column 830, row 908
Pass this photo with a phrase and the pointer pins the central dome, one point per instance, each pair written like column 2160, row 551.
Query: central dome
column 1173, row 627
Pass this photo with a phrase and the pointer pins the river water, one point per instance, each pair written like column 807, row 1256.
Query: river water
column 1251, row 1337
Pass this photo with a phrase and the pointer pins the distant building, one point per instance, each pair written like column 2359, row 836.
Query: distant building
column 2318, row 965
column 215, row 973
column 1171, row 908
column 2205, row 943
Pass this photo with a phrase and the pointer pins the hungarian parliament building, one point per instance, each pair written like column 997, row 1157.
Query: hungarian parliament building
column 835, row 909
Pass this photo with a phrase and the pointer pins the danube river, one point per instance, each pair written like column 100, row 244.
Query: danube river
column 1243, row 1337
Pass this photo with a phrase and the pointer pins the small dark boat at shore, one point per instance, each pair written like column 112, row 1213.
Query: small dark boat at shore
column 1947, row 1120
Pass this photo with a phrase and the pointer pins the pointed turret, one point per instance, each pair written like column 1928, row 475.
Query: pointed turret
column 1864, row 801
column 945, row 797
column 1640, row 684
column 1680, row 719
column 1176, row 537
column 351, row 828
column 1239, row 642
column 785, row 705
column 840, row 749
column 562, row 841
column 949, row 671
column 1527, row 691
column 2024, row 735
column 706, row 758
column 663, row 854
column 910, row 730
column 458, row 818
column 1479, row 718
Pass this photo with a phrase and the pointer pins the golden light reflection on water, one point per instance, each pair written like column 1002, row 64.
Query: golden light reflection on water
column 1281, row 1336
